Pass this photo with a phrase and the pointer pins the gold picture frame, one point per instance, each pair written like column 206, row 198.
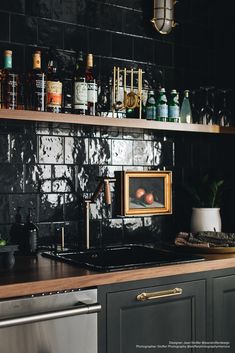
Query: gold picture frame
column 144, row 193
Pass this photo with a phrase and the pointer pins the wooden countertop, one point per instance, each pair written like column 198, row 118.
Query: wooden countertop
column 38, row 275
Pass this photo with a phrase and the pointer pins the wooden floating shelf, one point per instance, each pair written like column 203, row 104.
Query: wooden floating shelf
column 28, row 115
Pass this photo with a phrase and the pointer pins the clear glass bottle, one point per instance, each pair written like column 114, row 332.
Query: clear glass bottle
column 185, row 110
column 80, row 86
column 150, row 108
column 37, row 84
column 91, row 86
column 53, row 87
column 10, row 83
column 161, row 106
column 173, row 107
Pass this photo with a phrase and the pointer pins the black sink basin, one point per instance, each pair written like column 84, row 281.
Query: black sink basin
column 121, row 258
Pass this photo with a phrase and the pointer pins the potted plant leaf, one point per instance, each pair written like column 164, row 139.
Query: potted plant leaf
column 206, row 195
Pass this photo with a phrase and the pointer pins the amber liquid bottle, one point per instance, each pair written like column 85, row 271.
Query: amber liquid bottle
column 53, row 88
column 10, row 83
column 37, row 85
column 91, row 87
column 80, row 86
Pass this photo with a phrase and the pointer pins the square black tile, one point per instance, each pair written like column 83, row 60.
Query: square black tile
column 76, row 38
column 13, row 6
column 122, row 46
column 28, row 29
column 99, row 42
column 4, row 26
column 51, row 208
column 50, row 150
column 50, row 33
column 23, row 148
column 39, row 8
column 4, row 148
column 11, row 178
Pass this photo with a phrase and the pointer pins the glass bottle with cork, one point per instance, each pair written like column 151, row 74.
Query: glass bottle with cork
column 150, row 108
column 162, row 106
column 91, row 86
column 53, row 86
column 173, row 107
column 80, row 95
column 37, row 84
column 10, row 83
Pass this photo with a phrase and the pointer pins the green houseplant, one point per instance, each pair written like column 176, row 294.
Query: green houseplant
column 206, row 196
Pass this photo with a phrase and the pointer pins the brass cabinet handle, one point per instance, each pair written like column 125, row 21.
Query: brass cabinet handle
column 162, row 294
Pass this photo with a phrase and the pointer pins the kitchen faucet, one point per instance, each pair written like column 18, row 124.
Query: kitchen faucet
column 105, row 182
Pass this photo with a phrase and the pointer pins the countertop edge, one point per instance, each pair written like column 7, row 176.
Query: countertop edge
column 99, row 279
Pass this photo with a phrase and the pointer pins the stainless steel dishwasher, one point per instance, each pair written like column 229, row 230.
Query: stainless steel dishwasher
column 50, row 323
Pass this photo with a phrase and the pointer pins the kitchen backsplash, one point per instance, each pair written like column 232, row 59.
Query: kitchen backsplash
column 52, row 167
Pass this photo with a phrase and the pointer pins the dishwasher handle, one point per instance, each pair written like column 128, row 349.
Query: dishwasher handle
column 81, row 310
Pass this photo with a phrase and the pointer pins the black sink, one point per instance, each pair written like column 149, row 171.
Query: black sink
column 122, row 258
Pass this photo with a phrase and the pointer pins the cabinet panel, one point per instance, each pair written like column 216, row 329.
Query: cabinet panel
column 133, row 326
column 224, row 311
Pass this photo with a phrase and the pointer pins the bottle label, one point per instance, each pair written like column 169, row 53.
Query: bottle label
column 92, row 92
column 151, row 112
column 40, row 92
column 162, row 111
column 11, row 91
column 54, row 94
column 80, row 95
column 173, row 111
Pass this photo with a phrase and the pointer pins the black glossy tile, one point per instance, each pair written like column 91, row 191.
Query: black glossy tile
column 24, row 201
column 13, row 5
column 163, row 54
column 11, row 178
column 40, row 8
column 65, row 10
column 4, row 26
column 111, row 132
column 122, row 46
column 158, row 154
column 4, row 210
column 4, row 148
column 76, row 38
column 99, row 151
column 106, row 17
column 132, row 134
column 99, row 42
column 143, row 153
column 87, row 178
column 50, row 33
column 122, row 152
column 76, row 150
column 50, row 150
column 23, row 148
column 28, row 29
column 51, row 208
column 112, row 232
column 63, row 178
column 73, row 207
column 133, row 22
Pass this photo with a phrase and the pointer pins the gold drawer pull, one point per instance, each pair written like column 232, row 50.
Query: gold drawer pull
column 162, row 294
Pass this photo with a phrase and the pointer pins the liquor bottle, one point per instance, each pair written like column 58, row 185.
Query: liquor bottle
column 173, row 107
column 150, row 108
column 10, row 82
column 161, row 105
column 185, row 110
column 31, row 235
column 91, row 86
column 16, row 232
column 80, row 86
column 37, row 85
column 53, row 88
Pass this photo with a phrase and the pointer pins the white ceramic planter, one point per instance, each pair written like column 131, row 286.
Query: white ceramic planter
column 205, row 219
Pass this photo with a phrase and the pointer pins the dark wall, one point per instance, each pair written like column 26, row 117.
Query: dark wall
column 52, row 167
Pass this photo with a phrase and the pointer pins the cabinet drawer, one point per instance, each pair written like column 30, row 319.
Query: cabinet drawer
column 169, row 313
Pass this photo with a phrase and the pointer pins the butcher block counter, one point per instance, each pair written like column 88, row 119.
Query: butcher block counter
column 32, row 275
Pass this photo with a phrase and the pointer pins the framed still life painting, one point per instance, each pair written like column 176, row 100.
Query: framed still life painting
column 144, row 193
